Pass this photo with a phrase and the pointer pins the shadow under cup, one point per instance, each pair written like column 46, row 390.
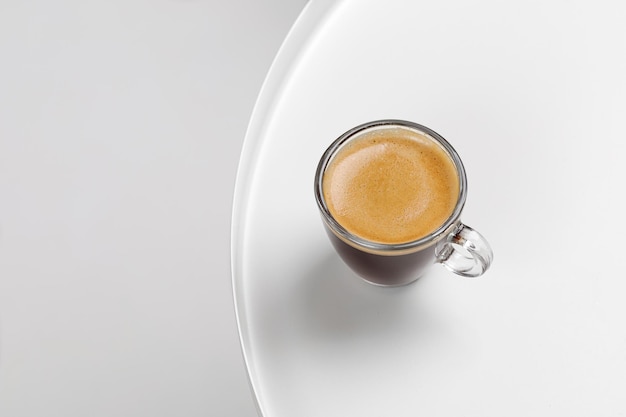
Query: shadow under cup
column 453, row 244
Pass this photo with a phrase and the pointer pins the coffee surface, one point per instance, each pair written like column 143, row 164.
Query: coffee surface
column 391, row 186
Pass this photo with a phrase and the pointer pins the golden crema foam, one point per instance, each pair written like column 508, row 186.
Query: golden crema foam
column 391, row 186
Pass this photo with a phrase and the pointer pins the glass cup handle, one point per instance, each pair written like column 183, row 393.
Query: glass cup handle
column 465, row 252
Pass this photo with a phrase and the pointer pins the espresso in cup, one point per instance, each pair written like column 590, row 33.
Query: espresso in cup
column 391, row 193
column 392, row 186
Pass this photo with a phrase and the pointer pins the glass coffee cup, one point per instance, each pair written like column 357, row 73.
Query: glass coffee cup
column 390, row 194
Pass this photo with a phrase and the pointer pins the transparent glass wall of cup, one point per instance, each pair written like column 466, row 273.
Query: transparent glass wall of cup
column 455, row 245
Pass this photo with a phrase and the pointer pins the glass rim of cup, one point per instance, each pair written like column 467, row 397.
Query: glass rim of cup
column 390, row 248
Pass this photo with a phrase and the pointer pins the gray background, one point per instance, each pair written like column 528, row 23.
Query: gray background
column 121, row 124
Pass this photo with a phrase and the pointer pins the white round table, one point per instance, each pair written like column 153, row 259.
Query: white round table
column 533, row 96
